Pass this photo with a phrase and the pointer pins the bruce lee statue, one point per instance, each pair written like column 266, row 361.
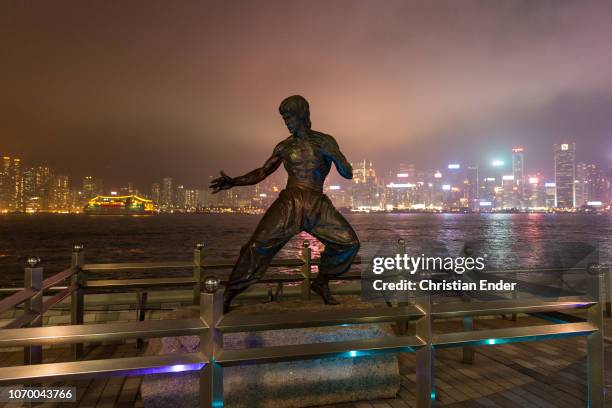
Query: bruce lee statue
column 307, row 156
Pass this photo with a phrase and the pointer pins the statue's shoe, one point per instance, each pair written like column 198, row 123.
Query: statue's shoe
column 322, row 289
column 228, row 296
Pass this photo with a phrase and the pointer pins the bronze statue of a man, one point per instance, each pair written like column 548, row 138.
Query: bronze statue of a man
column 307, row 156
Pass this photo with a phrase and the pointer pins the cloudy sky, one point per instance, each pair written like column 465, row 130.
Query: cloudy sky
column 142, row 89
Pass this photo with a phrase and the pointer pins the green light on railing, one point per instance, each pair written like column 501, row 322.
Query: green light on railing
column 217, row 404
column 491, row 341
column 353, row 353
column 433, row 395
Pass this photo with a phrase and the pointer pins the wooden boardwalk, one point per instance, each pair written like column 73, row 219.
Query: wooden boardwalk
column 544, row 374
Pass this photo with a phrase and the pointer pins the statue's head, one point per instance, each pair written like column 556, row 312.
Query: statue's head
column 295, row 112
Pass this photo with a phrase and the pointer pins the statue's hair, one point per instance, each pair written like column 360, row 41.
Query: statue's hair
column 298, row 105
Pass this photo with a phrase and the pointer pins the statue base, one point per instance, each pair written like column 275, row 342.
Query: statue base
column 280, row 385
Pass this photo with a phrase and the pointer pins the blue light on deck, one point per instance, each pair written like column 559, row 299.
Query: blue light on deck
column 217, row 404
column 491, row 341
column 433, row 395
column 353, row 353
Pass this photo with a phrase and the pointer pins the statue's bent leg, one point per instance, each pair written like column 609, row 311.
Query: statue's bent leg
column 341, row 245
column 276, row 227
column 341, row 242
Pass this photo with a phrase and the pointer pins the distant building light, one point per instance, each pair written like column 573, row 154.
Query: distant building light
column 490, row 179
column 402, row 175
column 334, row 187
column 263, row 195
column 550, row 184
column 533, row 180
column 485, row 204
column 454, row 166
column 564, row 146
column 418, row 206
column 497, row 163
column 437, row 174
column 430, row 184
column 113, row 193
column 517, row 149
column 508, row 177
column 595, row 203
column 400, row 185
column 446, row 187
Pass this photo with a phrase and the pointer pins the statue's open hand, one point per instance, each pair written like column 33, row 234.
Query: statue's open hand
column 224, row 182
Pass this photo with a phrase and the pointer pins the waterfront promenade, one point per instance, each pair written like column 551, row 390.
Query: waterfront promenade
column 530, row 374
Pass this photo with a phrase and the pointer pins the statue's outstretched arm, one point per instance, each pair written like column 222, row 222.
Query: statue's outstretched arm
column 253, row 177
column 258, row 175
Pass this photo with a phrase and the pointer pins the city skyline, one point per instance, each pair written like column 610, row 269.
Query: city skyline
column 196, row 90
column 500, row 184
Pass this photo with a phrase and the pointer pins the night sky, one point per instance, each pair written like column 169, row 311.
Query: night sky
column 136, row 90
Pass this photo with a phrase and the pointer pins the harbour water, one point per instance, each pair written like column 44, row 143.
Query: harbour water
column 508, row 240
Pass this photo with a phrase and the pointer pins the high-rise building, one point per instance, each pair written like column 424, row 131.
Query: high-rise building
column 565, row 175
column 91, row 187
column 535, row 194
column 472, row 186
column 550, row 194
column 11, row 185
column 5, row 183
column 591, row 184
column 60, row 200
column 407, row 172
column 31, row 201
column 365, row 193
column 167, row 194
column 518, row 172
column 362, row 170
column 509, row 192
column 156, row 193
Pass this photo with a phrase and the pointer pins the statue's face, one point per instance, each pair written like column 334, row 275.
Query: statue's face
column 291, row 121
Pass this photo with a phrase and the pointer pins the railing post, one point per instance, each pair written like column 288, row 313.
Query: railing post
column 197, row 272
column 514, row 316
column 607, row 292
column 77, row 299
column 426, row 394
column 468, row 351
column 306, row 270
column 595, row 346
column 33, row 279
column 211, row 343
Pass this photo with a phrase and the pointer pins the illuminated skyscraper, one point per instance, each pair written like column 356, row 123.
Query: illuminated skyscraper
column 60, row 200
column 472, row 186
column 591, row 184
column 362, row 170
column 5, row 184
column 91, row 187
column 365, row 191
column 167, row 194
column 156, row 193
column 509, row 192
column 565, row 176
column 518, row 171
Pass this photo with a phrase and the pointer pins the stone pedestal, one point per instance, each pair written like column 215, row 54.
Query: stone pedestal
column 280, row 385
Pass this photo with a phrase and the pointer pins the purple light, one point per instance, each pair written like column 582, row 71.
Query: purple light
column 175, row 368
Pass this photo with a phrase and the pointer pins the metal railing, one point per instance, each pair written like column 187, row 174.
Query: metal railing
column 27, row 331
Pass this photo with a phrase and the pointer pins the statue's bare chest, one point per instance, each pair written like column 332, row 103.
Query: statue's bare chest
column 303, row 155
